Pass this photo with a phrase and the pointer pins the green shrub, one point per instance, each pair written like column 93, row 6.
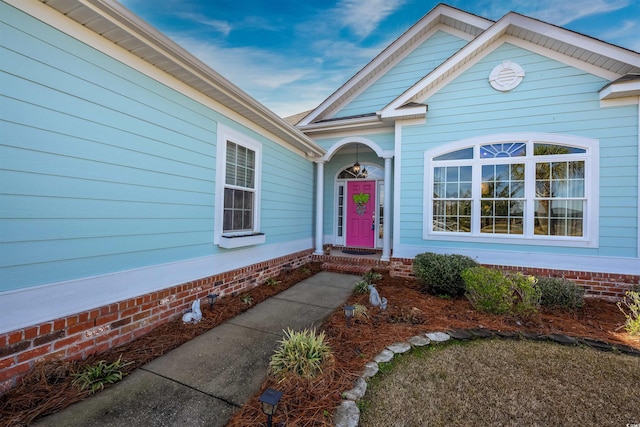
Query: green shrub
column 362, row 287
column 302, row 354
column 560, row 292
column 631, row 300
column 492, row 291
column 440, row 274
column 488, row 290
column 94, row 377
column 526, row 296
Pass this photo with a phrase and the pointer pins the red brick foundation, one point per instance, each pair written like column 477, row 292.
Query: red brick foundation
column 99, row 329
column 609, row 286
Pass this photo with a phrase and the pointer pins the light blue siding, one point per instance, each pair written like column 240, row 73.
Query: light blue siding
column 104, row 169
column 554, row 98
column 417, row 64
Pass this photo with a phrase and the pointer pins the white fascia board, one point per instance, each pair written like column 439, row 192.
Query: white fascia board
column 405, row 113
column 620, row 90
column 340, row 125
column 399, row 43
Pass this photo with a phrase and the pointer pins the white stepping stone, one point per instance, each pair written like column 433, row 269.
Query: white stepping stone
column 399, row 347
column 437, row 337
column 347, row 414
column 357, row 392
column 370, row 369
column 383, row 356
column 419, row 341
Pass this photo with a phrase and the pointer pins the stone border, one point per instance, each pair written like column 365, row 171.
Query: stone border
column 348, row 414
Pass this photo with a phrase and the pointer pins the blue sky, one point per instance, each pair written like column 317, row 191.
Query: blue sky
column 292, row 54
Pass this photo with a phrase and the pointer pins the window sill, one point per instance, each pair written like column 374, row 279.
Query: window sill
column 231, row 242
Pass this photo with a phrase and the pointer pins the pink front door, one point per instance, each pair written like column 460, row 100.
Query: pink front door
column 361, row 213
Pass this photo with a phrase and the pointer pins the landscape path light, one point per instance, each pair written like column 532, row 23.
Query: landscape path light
column 212, row 299
column 348, row 312
column 270, row 399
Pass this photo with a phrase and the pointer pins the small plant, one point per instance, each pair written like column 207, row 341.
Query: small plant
column 631, row 301
column 560, row 292
column 94, row 377
column 247, row 299
column 272, row 282
column 440, row 274
column 360, row 312
column 492, row 291
column 301, row 354
column 371, row 277
column 305, row 270
column 362, row 287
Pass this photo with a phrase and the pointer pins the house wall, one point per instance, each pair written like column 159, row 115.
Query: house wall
column 414, row 66
column 554, row 98
column 108, row 190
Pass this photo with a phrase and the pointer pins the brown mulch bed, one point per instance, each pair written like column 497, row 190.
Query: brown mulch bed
column 48, row 388
column 411, row 312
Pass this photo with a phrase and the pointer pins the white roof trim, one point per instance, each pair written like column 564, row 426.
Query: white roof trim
column 620, row 90
column 394, row 53
column 512, row 27
column 113, row 22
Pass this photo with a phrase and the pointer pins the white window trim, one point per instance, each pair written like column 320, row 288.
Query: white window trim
column 234, row 240
column 592, row 190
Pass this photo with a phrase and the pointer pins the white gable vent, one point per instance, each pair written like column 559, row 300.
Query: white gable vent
column 506, row 76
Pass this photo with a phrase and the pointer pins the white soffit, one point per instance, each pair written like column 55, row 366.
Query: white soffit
column 117, row 24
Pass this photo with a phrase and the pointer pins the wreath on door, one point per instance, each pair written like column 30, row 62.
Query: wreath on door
column 361, row 200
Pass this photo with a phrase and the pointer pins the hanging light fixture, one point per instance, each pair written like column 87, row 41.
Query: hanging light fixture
column 356, row 166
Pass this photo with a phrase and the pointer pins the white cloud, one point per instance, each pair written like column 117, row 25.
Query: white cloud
column 221, row 26
column 562, row 13
column 553, row 11
column 363, row 16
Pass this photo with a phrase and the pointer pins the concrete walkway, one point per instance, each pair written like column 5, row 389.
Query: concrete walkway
column 204, row 381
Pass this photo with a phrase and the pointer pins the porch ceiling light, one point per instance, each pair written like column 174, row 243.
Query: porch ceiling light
column 356, row 166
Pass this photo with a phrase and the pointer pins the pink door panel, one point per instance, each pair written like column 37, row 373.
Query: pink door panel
column 361, row 216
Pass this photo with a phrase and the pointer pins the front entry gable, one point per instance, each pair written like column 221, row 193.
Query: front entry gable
column 421, row 61
column 444, row 29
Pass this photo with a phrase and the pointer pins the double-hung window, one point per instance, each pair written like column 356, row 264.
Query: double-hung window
column 238, row 179
column 530, row 189
column 239, row 189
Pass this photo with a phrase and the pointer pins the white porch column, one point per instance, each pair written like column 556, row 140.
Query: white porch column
column 319, row 207
column 386, row 236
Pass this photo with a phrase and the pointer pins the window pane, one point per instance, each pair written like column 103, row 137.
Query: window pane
column 465, row 153
column 552, row 149
column 509, row 149
column 227, row 220
column 439, row 175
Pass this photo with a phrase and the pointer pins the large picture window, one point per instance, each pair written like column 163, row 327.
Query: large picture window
column 535, row 189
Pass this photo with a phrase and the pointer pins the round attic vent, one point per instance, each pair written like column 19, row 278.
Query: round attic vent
column 506, row 76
